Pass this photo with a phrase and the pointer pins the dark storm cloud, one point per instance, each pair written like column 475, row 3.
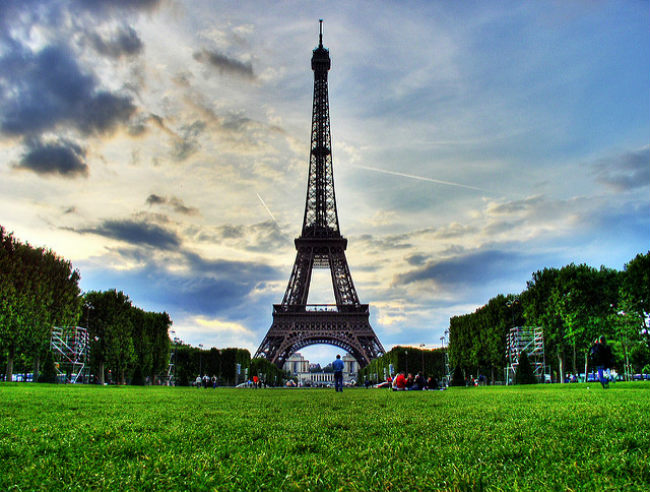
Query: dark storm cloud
column 125, row 43
column 100, row 6
column 156, row 200
column 175, row 203
column 474, row 269
column 225, row 64
column 136, row 233
column 63, row 157
column 625, row 172
column 416, row 259
column 205, row 287
column 39, row 91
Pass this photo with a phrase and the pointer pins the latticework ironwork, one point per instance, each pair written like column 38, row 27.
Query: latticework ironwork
column 297, row 324
column 529, row 340
column 71, row 348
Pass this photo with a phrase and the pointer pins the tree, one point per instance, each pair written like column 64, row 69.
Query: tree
column 583, row 298
column 537, row 304
column 111, row 333
column 458, row 378
column 49, row 371
column 524, row 374
column 635, row 291
column 38, row 289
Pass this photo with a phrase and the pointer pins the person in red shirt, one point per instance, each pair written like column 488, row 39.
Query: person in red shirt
column 399, row 383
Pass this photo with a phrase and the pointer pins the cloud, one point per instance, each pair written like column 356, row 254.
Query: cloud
column 263, row 236
column 187, row 142
column 224, row 64
column 136, row 233
column 102, row 6
column 476, row 268
column 625, row 172
column 175, row 203
column 62, row 157
column 45, row 89
column 416, row 259
column 125, row 43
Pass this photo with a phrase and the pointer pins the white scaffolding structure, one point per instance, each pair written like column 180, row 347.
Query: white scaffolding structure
column 70, row 347
column 525, row 339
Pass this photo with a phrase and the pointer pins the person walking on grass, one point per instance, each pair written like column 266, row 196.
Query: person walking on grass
column 601, row 357
column 337, row 365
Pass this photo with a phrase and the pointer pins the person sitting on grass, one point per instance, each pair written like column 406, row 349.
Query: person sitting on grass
column 409, row 381
column 418, row 383
column 399, row 383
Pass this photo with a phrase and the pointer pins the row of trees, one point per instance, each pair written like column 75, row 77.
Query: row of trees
column 38, row 290
column 130, row 343
column 574, row 305
column 190, row 362
column 405, row 359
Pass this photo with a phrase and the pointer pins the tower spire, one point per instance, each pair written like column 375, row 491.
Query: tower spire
column 320, row 36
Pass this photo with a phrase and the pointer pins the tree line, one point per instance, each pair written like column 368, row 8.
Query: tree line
column 230, row 366
column 573, row 305
column 431, row 363
column 40, row 290
column 126, row 342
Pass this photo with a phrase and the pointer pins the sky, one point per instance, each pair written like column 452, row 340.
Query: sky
column 163, row 148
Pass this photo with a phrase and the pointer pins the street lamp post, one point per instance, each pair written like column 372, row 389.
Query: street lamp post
column 511, row 304
column 422, row 345
column 201, row 360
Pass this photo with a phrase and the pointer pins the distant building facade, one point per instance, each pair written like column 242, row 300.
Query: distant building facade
column 298, row 367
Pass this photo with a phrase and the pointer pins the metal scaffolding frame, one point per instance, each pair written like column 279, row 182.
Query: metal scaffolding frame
column 531, row 340
column 70, row 346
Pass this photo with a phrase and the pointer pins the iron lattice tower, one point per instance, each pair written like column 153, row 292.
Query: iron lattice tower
column 297, row 324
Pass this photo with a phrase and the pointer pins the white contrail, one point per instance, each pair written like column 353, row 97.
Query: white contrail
column 267, row 209
column 421, row 178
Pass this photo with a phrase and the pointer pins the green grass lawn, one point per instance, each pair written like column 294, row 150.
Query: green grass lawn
column 538, row 438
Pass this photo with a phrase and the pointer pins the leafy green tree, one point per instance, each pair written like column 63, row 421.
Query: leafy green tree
column 524, row 374
column 38, row 290
column 111, row 333
column 583, row 298
column 538, row 310
column 268, row 372
column 458, row 377
column 48, row 375
column 635, row 292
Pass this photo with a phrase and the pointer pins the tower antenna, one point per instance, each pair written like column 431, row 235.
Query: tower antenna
column 320, row 36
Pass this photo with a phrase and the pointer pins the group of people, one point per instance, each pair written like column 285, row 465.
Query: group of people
column 205, row 381
column 409, row 382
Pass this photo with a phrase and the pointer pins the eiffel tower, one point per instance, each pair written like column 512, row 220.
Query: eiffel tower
column 297, row 324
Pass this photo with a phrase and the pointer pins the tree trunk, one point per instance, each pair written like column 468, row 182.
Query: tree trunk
column 559, row 358
column 10, row 362
column 586, row 365
column 575, row 367
column 101, row 373
column 37, row 367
